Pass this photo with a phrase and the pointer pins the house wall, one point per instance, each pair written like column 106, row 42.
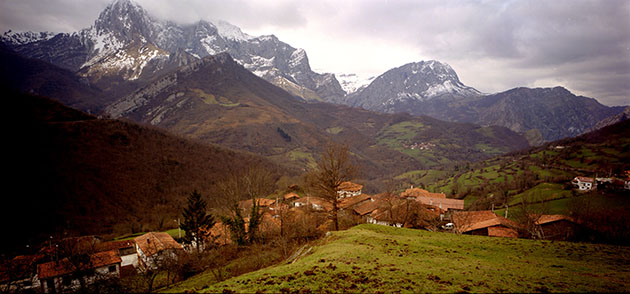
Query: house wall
column 585, row 186
column 130, row 259
column 371, row 220
column 100, row 273
column 479, row 232
column 21, row 285
column 154, row 260
column 560, row 230
column 344, row 194
column 501, row 231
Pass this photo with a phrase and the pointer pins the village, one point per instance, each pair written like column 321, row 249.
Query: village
column 71, row 264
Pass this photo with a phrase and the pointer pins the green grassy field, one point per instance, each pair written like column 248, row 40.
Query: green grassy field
column 372, row 258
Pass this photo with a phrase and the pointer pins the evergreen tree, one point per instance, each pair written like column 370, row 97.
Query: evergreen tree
column 196, row 220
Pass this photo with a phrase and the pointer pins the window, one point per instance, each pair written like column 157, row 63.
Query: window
column 66, row 281
column 112, row 268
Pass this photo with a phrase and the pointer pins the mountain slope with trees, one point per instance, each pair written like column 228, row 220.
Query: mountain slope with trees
column 81, row 175
column 218, row 101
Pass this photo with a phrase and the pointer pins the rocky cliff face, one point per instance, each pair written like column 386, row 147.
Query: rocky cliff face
column 127, row 42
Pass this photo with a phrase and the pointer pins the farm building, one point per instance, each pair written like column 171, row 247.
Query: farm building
column 290, row 196
column 354, row 201
column 584, row 183
column 20, row 273
column 156, row 247
column 65, row 275
column 316, row 203
column 126, row 250
column 349, row 189
column 484, row 223
column 414, row 193
column 442, row 203
column 556, row 227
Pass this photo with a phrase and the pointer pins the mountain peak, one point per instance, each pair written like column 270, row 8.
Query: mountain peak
column 432, row 67
column 123, row 4
column 124, row 16
column 230, row 31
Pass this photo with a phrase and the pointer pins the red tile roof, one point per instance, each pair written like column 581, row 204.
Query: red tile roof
column 463, row 218
column 354, row 200
column 64, row 266
column 584, row 179
column 417, row 192
column 545, row 219
column 466, row 221
column 290, row 196
column 350, row 186
column 442, row 203
column 498, row 221
column 19, row 267
column 262, row 202
column 367, row 207
column 154, row 242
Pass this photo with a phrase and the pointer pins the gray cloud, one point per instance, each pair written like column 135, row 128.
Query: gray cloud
column 494, row 45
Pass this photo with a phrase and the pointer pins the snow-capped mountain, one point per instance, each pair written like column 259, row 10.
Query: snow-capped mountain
column 126, row 41
column 433, row 88
column 11, row 37
column 413, row 82
column 352, row 83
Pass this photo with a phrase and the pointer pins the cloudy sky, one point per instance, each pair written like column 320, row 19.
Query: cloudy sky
column 492, row 45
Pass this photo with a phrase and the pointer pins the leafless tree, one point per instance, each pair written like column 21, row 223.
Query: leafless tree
column 527, row 215
column 254, row 183
column 157, row 263
column 333, row 168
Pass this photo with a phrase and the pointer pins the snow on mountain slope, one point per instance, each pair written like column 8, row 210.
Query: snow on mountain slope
column 22, row 38
column 418, row 81
column 125, row 38
column 353, row 82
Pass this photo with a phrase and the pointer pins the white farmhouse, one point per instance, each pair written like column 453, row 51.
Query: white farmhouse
column 584, row 183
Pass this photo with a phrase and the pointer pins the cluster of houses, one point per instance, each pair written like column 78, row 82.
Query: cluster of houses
column 69, row 264
column 587, row 183
column 413, row 208
column 54, row 271
column 419, row 146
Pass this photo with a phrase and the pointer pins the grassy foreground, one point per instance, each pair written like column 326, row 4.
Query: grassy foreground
column 372, row 258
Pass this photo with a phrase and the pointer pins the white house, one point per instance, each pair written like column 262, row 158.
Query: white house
column 315, row 203
column 584, row 183
column 349, row 189
column 156, row 247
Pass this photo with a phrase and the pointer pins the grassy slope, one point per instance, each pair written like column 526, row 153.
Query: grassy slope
column 371, row 258
column 595, row 154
